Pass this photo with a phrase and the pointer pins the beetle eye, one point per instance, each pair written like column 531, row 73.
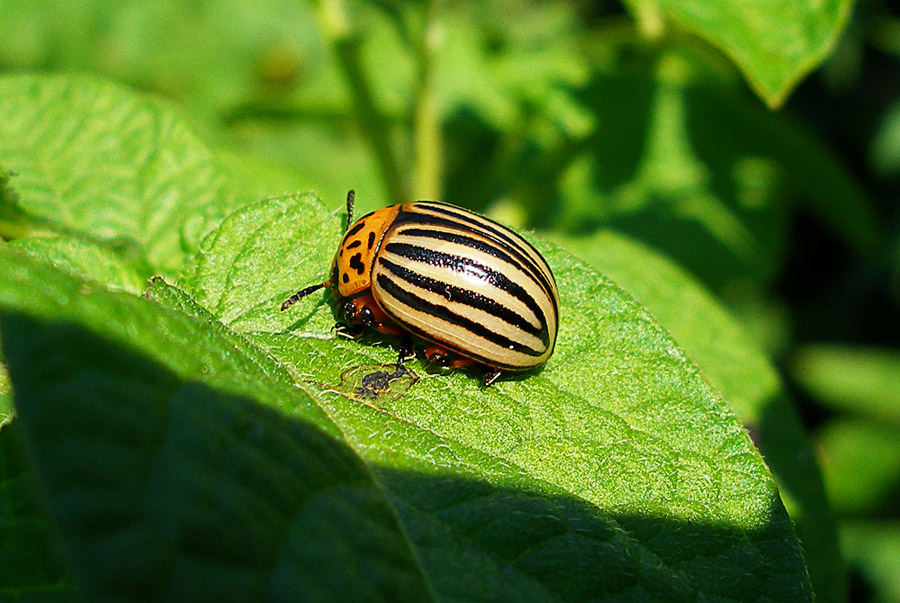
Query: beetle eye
column 367, row 317
column 348, row 311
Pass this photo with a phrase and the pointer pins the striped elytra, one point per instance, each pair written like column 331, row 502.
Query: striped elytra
column 461, row 282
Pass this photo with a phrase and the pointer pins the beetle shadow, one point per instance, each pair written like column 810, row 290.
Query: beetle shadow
column 478, row 373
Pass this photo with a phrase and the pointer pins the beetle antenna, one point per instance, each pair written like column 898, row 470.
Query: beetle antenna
column 351, row 195
column 301, row 294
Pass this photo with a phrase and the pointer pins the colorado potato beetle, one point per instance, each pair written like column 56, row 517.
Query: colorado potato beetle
column 473, row 290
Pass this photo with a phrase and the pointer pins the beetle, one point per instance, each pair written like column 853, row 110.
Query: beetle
column 475, row 292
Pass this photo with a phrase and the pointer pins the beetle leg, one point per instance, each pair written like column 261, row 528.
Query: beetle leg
column 437, row 356
column 491, row 374
column 376, row 319
column 363, row 310
column 349, row 311
column 407, row 352
column 347, row 331
column 442, row 357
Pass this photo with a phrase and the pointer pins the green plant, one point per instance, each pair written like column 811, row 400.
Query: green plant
column 167, row 432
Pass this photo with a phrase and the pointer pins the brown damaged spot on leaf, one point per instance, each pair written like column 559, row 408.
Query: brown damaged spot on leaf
column 372, row 383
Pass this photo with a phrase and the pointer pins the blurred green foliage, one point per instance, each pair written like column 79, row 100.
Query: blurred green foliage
column 579, row 119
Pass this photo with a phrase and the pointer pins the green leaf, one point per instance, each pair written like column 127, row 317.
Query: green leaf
column 85, row 259
column 862, row 381
column 31, row 560
column 619, row 422
column 13, row 221
column 167, row 466
column 774, row 42
column 266, row 243
column 861, row 463
column 95, row 160
column 468, row 509
column 258, row 75
column 742, row 373
column 172, row 297
column 6, row 404
column 884, row 154
column 503, row 69
column 873, row 548
column 256, row 178
column 660, row 171
column 230, row 49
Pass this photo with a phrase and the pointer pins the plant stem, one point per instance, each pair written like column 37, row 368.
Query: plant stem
column 428, row 141
column 346, row 43
column 650, row 18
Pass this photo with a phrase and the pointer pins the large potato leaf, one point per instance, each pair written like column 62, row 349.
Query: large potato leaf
column 618, row 421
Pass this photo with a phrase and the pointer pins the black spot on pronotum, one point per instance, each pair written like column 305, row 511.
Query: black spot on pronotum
column 345, row 278
column 371, row 239
column 356, row 263
column 359, row 226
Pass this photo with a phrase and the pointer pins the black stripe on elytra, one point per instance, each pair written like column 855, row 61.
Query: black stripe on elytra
column 371, row 239
column 524, row 263
column 466, row 297
column 355, row 244
column 465, row 223
column 443, row 313
column 497, row 279
column 464, row 215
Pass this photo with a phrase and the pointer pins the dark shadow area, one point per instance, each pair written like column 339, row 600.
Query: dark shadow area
column 783, row 441
column 559, row 546
column 836, row 294
column 473, row 149
column 860, row 588
column 31, row 557
column 162, row 486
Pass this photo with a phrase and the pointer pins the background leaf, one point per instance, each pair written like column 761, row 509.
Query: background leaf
column 874, row 546
column 6, row 405
column 861, row 478
column 96, row 160
column 857, row 380
column 659, row 170
column 86, row 259
column 775, row 42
